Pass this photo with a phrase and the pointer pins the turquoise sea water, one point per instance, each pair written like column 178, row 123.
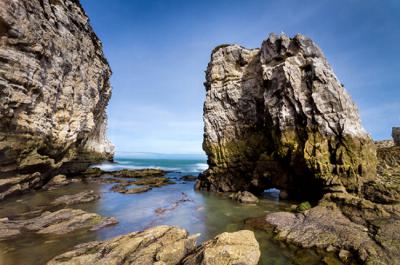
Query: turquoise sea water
column 206, row 213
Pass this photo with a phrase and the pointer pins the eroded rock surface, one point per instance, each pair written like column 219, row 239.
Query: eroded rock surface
column 165, row 245
column 78, row 198
column 54, row 89
column 58, row 222
column 227, row 248
column 279, row 117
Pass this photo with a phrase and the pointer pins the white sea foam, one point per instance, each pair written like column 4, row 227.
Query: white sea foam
column 199, row 167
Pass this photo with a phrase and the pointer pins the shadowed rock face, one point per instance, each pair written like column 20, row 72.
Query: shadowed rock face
column 396, row 135
column 54, row 89
column 279, row 117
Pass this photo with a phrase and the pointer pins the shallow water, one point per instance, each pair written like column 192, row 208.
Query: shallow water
column 206, row 213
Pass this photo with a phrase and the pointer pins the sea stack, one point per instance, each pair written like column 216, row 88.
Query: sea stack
column 54, row 89
column 278, row 117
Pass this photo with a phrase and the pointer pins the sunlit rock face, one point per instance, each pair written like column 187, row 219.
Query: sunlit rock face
column 54, row 89
column 279, row 117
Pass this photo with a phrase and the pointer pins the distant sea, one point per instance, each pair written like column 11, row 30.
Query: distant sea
column 185, row 163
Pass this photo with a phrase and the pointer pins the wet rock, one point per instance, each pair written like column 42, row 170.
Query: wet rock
column 54, row 90
column 259, row 223
column 189, row 178
column 302, row 207
column 244, row 197
column 137, row 190
column 8, row 229
column 279, row 117
column 146, row 183
column 58, row 182
column 138, row 173
column 157, row 245
column 330, row 227
column 227, row 248
column 58, row 222
column 82, row 197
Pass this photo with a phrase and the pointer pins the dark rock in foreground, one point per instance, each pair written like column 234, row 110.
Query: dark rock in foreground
column 163, row 245
column 59, row 222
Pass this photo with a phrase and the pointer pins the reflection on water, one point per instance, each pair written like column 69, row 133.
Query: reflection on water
column 206, row 213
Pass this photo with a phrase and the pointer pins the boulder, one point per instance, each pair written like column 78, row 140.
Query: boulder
column 244, row 197
column 54, row 90
column 227, row 248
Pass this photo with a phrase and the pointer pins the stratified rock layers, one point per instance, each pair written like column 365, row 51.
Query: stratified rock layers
column 54, row 89
column 279, row 117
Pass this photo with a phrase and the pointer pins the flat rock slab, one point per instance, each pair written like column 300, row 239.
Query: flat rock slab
column 58, row 222
column 189, row 178
column 326, row 227
column 163, row 245
column 125, row 173
column 82, row 197
column 144, row 184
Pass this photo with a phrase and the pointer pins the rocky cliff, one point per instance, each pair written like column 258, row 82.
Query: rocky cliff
column 54, row 89
column 279, row 117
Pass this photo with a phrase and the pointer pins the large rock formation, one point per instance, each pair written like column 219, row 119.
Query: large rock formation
column 279, row 117
column 54, row 89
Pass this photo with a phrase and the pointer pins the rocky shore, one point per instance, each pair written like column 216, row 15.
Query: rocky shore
column 164, row 245
column 278, row 117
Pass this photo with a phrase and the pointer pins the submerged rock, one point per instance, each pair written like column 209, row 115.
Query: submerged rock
column 278, row 117
column 145, row 184
column 54, row 89
column 189, row 178
column 227, row 248
column 244, row 197
column 58, row 182
column 59, row 222
column 138, row 173
column 82, row 197
column 163, row 245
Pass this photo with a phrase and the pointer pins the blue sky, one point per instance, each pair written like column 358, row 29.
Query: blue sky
column 159, row 50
